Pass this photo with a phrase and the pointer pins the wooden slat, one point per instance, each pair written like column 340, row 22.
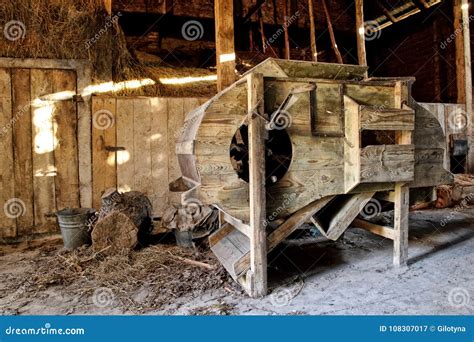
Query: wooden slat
column 126, row 158
column 352, row 167
column 386, row 232
column 22, row 147
column 7, row 223
column 343, row 218
column 43, row 142
column 360, row 31
column 257, row 152
column 159, row 155
column 225, row 52
column 104, row 172
column 387, row 120
column 400, row 234
column 175, row 122
column 387, row 163
column 66, row 151
column 142, row 145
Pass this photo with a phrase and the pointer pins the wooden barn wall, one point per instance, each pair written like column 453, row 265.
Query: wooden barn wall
column 137, row 151
column 132, row 148
column 418, row 47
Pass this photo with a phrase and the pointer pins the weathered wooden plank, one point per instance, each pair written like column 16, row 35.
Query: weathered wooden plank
column 175, row 122
column 346, row 214
column 142, row 145
column 8, row 213
column 104, row 170
column 225, row 52
column 257, row 152
column 159, row 155
column 387, row 163
column 44, row 143
column 373, row 118
column 352, row 167
column 125, row 158
column 66, row 150
column 386, row 232
column 22, row 147
column 400, row 234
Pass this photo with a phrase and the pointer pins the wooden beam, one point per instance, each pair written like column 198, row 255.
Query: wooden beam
column 463, row 70
column 468, row 82
column 225, row 52
column 360, row 29
column 400, row 225
column 312, row 31
column 459, row 48
column 108, row 6
column 387, row 13
column 257, row 277
column 376, row 229
column 285, row 30
column 331, row 34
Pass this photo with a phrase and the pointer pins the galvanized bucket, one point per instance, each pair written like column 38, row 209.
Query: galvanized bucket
column 73, row 224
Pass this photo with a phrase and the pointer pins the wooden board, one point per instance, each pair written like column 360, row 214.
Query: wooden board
column 43, row 143
column 7, row 191
column 175, row 121
column 104, row 172
column 159, row 155
column 22, row 147
column 125, row 158
column 142, row 146
column 66, row 150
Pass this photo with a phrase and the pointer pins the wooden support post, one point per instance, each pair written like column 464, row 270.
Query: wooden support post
column 331, row 34
column 108, row 6
column 463, row 71
column 459, row 48
column 285, row 30
column 360, row 29
column 312, row 29
column 400, row 225
column 225, row 53
column 257, row 276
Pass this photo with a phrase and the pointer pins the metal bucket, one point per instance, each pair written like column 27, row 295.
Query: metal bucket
column 73, row 224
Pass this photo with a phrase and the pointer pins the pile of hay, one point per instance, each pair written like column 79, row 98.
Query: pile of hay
column 81, row 29
column 162, row 272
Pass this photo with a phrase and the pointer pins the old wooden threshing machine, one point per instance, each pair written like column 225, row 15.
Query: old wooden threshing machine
column 294, row 142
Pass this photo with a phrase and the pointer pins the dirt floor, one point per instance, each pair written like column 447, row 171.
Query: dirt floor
column 307, row 276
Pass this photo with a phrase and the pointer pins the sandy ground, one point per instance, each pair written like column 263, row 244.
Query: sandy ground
column 351, row 276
